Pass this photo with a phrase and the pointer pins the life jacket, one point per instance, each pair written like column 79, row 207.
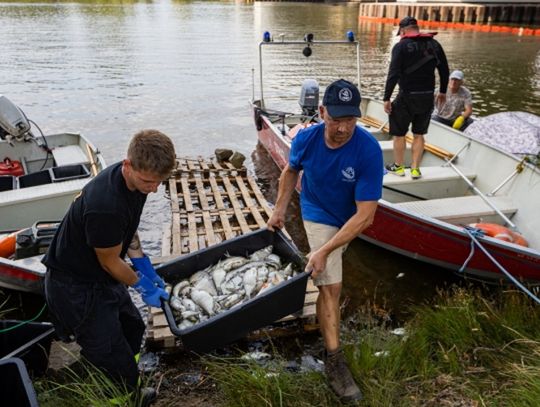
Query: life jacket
column 420, row 35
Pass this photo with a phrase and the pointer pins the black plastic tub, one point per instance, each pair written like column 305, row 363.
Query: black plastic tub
column 16, row 387
column 30, row 342
column 7, row 182
column 68, row 172
column 35, row 178
column 256, row 313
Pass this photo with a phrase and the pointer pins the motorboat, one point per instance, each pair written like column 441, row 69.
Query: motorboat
column 40, row 175
column 475, row 209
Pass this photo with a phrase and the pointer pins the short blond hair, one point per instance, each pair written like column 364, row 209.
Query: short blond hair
column 151, row 150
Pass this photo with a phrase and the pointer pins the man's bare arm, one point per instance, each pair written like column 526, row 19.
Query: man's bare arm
column 135, row 249
column 287, row 183
column 110, row 260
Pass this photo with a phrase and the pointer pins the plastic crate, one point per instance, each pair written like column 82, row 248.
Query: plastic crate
column 16, row 387
column 68, row 172
column 30, row 342
column 35, row 178
column 228, row 326
column 7, row 182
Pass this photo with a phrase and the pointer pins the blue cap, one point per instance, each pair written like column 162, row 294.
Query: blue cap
column 342, row 99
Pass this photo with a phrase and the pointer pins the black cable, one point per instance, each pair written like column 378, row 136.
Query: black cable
column 46, row 147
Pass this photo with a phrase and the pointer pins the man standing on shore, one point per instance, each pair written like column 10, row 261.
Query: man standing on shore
column 341, row 183
column 414, row 60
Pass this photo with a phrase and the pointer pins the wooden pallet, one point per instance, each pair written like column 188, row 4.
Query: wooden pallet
column 212, row 202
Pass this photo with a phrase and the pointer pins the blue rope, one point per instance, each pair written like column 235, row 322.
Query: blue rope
column 473, row 234
column 478, row 233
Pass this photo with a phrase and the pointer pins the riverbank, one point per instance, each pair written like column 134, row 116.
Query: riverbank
column 468, row 347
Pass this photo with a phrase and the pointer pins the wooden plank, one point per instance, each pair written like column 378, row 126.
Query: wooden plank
column 192, row 228
column 433, row 149
column 249, row 202
column 202, row 194
column 209, row 229
column 259, row 196
column 188, row 205
column 217, row 195
column 159, row 320
column 236, row 205
column 175, row 207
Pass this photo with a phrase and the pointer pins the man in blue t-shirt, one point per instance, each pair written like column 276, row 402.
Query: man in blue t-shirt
column 342, row 168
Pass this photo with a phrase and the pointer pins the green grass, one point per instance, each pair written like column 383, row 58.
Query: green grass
column 83, row 385
column 250, row 384
column 464, row 349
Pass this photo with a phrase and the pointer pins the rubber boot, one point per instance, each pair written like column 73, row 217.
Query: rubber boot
column 340, row 378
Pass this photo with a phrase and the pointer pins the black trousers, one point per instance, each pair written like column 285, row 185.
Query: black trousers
column 103, row 320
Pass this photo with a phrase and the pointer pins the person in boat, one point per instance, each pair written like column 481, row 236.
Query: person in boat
column 86, row 278
column 456, row 111
column 414, row 60
column 341, row 183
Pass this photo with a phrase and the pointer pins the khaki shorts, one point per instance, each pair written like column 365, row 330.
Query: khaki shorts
column 318, row 234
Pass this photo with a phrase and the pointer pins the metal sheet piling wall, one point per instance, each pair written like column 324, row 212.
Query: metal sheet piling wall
column 526, row 14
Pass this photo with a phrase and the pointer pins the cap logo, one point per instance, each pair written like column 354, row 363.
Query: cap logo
column 345, row 95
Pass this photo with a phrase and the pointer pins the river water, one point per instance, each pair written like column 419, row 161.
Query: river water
column 108, row 69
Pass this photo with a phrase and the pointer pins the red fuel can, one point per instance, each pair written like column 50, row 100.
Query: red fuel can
column 11, row 167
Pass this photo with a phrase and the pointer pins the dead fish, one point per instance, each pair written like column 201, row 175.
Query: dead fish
column 218, row 275
column 232, row 300
column 288, row 271
column 198, row 276
column 250, row 280
column 203, row 300
column 191, row 315
column 178, row 287
column 189, row 305
column 274, row 259
column 186, row 323
column 206, row 283
column 232, row 263
column 261, row 254
column 176, row 303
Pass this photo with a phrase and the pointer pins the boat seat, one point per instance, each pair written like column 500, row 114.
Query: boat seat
column 69, row 155
column 39, row 191
column 463, row 209
column 436, row 182
column 429, row 174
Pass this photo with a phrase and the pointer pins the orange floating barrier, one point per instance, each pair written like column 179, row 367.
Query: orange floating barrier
column 537, row 31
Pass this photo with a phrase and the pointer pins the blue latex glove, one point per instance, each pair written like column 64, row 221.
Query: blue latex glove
column 151, row 294
column 144, row 265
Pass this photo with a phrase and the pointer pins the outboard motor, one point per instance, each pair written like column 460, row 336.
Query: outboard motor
column 309, row 98
column 13, row 122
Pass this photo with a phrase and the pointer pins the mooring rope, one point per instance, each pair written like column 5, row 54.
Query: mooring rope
column 473, row 234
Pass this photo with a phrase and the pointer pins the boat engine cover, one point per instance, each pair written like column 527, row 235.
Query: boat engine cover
column 309, row 97
column 12, row 119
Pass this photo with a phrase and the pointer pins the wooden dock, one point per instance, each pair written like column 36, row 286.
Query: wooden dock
column 212, row 202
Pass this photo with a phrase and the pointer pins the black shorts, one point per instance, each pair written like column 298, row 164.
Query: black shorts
column 411, row 108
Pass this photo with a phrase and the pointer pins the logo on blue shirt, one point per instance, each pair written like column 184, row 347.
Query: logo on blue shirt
column 348, row 173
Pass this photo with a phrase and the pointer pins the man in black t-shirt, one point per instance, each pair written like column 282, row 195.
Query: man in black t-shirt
column 85, row 284
column 414, row 60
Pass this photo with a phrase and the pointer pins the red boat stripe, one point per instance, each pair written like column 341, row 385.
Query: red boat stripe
column 18, row 273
